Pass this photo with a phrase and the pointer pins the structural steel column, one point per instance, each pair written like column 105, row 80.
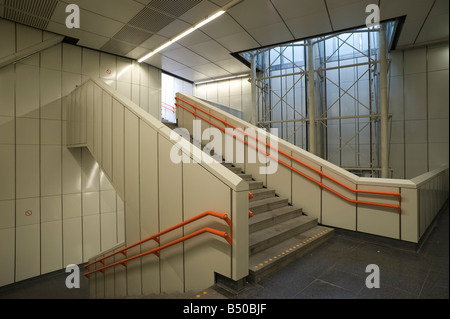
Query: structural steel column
column 253, row 78
column 384, row 104
column 311, row 107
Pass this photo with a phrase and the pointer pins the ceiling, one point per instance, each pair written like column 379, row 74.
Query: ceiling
column 132, row 28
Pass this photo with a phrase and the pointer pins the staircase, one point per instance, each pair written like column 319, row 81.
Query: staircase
column 278, row 232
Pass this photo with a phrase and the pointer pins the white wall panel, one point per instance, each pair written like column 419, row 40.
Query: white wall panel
column 51, row 246
column 50, row 170
column 438, row 95
column 415, row 60
column 7, row 130
column 132, row 214
column 107, row 134
column 91, row 204
column 415, row 96
column 7, row 90
column 27, row 36
column 7, row 33
column 108, row 201
column 27, row 251
column 148, row 171
column 108, row 230
column 97, row 122
column 27, row 171
column 27, row 91
column 50, row 92
column 71, row 60
column 71, row 206
column 124, row 88
column 69, row 82
column 7, row 250
column 203, row 192
column 170, row 213
column 51, row 208
column 338, row 212
column 124, row 67
column 51, row 58
column 72, row 241
column 118, row 146
column 27, row 131
column 7, row 214
column 27, row 211
column 91, row 236
column 108, row 67
column 416, row 160
column 7, row 172
column 50, row 132
column 90, row 62
column 71, row 164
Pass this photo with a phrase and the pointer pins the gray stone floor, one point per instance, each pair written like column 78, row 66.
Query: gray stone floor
column 335, row 270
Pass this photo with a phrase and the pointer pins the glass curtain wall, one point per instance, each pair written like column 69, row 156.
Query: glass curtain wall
column 346, row 98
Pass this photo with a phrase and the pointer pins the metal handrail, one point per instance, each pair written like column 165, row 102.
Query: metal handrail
column 322, row 174
column 158, row 249
column 164, row 106
column 155, row 237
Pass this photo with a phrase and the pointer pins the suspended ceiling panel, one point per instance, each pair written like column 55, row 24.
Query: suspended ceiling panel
column 132, row 28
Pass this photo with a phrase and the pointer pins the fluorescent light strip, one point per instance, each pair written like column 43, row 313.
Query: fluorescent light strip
column 182, row 35
column 223, row 79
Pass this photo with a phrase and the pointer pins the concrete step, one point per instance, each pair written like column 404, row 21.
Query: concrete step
column 245, row 177
column 254, row 185
column 267, row 262
column 272, row 217
column 262, row 193
column 277, row 233
column 236, row 170
column 265, row 204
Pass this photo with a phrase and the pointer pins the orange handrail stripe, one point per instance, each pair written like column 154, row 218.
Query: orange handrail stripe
column 168, row 108
column 398, row 207
column 169, row 105
column 157, row 249
column 155, row 236
column 289, row 156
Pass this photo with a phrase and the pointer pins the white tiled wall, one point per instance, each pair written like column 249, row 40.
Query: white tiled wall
column 73, row 210
column 419, row 102
column 234, row 93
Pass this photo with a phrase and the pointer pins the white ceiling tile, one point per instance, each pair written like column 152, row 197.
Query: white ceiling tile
column 233, row 66
column 191, row 75
column 87, row 39
column 238, row 42
column 174, row 28
column 120, row 10
column 199, row 12
column 153, row 42
column 211, row 70
column 435, row 28
column 171, row 65
column 89, row 21
column 293, row 9
column 222, row 26
column 220, row 3
column 252, row 14
column 271, row 34
column 188, row 57
column 311, row 25
column 194, row 38
column 210, row 50
column 137, row 53
column 348, row 14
